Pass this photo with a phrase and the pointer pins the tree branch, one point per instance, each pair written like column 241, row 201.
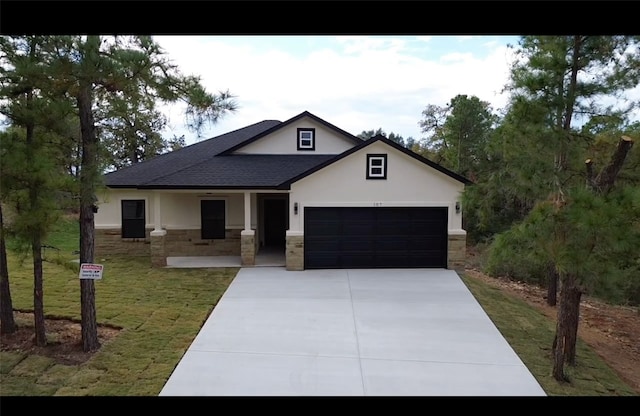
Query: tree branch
column 588, row 164
column 607, row 177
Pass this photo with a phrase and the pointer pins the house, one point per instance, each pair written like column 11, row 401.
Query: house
column 325, row 198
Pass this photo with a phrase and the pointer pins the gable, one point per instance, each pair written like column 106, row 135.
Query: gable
column 380, row 139
column 284, row 140
column 407, row 179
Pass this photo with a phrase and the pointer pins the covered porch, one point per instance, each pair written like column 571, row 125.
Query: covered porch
column 251, row 228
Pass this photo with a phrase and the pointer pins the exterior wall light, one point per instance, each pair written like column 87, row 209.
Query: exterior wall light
column 458, row 207
column 295, row 208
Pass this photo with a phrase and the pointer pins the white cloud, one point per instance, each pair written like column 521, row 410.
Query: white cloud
column 362, row 84
column 424, row 38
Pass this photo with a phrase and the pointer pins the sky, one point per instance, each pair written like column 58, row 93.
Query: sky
column 356, row 83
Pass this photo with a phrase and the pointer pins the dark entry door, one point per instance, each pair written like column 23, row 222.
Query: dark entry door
column 275, row 222
column 375, row 237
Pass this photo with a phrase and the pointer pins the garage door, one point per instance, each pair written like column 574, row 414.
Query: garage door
column 375, row 237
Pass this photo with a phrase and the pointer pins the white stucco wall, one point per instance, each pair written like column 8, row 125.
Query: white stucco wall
column 285, row 141
column 409, row 183
column 109, row 213
column 179, row 210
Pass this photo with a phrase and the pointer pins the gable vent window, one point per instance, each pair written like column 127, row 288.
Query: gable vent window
column 306, row 139
column 376, row 166
column 133, row 218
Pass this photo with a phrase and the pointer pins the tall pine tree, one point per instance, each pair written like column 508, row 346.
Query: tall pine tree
column 97, row 69
column 572, row 78
column 30, row 173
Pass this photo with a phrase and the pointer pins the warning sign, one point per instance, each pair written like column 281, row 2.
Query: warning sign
column 91, row 271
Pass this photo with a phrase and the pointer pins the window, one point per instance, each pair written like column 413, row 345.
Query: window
column 212, row 219
column 306, row 139
column 133, row 218
column 376, row 166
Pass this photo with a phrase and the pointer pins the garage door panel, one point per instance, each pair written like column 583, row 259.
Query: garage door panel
column 427, row 242
column 392, row 243
column 324, row 229
column 392, row 259
column 320, row 214
column 363, row 237
column 358, row 228
column 391, row 228
column 353, row 244
column 357, row 214
column 356, row 260
column 321, row 244
column 326, row 261
column 426, row 228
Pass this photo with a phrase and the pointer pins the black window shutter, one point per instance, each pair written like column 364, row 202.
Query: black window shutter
column 212, row 219
column 133, row 218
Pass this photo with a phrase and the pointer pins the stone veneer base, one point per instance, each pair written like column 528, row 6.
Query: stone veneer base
column 178, row 243
column 456, row 252
column 188, row 243
column 295, row 252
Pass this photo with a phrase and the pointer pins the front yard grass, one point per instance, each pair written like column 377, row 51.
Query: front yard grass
column 530, row 334
column 159, row 311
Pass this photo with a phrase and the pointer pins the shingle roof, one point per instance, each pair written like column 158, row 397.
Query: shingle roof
column 208, row 164
column 239, row 171
column 169, row 163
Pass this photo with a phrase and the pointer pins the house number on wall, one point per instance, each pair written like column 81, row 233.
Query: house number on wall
column 377, row 204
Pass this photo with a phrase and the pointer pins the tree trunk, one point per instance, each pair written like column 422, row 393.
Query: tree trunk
column 7, row 320
column 558, row 348
column 36, row 243
column 38, row 296
column 571, row 298
column 552, row 284
column 88, row 175
column 590, row 180
column 564, row 344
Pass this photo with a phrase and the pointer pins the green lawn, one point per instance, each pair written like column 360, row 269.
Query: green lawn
column 160, row 312
column 530, row 334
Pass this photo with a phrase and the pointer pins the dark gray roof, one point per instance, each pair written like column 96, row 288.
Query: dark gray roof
column 208, row 164
column 170, row 163
column 239, row 171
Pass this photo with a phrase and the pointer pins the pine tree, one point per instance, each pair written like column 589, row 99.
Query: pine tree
column 29, row 169
column 96, row 69
column 570, row 77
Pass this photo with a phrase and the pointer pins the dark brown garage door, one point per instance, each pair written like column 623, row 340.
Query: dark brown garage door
column 375, row 237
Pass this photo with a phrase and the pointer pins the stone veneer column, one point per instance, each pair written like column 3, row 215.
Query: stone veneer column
column 456, row 252
column 248, row 247
column 158, row 253
column 295, row 251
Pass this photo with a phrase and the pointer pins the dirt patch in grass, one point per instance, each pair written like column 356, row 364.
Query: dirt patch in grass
column 613, row 332
column 64, row 339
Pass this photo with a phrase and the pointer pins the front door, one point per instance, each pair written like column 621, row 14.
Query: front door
column 275, row 222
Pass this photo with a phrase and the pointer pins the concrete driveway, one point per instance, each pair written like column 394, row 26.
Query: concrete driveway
column 400, row 332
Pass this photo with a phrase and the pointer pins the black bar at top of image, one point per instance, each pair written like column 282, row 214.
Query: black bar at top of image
column 317, row 17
